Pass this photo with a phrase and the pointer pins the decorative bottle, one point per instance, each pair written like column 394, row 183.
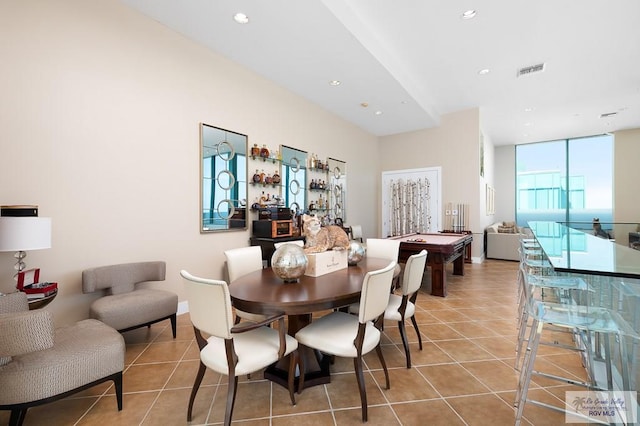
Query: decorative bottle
column 268, row 179
column 255, row 151
column 276, row 177
column 256, row 177
column 264, row 152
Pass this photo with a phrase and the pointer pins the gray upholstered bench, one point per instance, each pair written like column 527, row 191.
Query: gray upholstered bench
column 126, row 306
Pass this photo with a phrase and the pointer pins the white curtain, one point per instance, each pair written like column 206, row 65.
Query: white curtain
column 410, row 206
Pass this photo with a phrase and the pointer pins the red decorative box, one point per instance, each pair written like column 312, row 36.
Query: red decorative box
column 28, row 282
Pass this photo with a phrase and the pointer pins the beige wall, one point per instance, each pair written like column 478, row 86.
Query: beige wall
column 505, row 181
column 626, row 182
column 454, row 146
column 626, row 175
column 99, row 123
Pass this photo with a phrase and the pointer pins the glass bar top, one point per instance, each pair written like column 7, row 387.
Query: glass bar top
column 572, row 250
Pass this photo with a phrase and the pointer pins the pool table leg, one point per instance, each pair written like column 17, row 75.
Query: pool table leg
column 438, row 276
column 458, row 265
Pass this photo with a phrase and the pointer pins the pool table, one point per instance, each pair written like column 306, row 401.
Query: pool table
column 442, row 248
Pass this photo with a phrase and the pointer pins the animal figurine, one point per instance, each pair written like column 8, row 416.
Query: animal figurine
column 322, row 238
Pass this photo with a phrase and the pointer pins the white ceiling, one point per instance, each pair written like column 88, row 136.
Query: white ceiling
column 416, row 60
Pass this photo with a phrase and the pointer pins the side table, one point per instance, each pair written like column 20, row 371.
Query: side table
column 268, row 247
column 42, row 302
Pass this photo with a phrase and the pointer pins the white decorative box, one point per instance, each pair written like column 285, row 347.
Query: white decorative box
column 326, row 262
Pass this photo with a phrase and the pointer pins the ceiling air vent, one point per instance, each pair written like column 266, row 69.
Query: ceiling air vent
column 608, row 114
column 530, row 69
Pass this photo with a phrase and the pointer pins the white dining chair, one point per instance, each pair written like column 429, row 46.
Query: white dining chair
column 232, row 350
column 384, row 248
column 356, row 232
column 403, row 306
column 345, row 335
column 241, row 261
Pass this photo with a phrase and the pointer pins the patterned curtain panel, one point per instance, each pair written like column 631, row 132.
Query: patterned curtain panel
column 410, row 206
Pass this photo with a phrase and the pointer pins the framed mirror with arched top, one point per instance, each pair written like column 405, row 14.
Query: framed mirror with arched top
column 294, row 178
column 337, row 171
column 223, row 179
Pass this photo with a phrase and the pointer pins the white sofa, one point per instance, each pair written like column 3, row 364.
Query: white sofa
column 503, row 245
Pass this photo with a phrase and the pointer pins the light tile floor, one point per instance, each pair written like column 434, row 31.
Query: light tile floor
column 463, row 376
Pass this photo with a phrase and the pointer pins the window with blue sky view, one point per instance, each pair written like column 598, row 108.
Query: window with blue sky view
column 567, row 180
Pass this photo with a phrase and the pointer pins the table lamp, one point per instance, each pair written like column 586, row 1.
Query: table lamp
column 20, row 234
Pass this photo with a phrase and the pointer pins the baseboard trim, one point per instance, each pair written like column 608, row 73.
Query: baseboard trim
column 183, row 307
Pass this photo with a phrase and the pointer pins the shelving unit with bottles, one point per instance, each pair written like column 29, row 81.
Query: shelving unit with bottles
column 298, row 180
column 317, row 186
column 265, row 176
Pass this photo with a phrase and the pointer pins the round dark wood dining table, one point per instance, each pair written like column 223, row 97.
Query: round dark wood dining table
column 263, row 292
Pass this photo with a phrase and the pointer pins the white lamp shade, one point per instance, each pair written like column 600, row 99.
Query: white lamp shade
column 25, row 233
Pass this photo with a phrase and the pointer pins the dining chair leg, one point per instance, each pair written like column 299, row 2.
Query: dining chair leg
column 194, row 390
column 357, row 364
column 384, row 366
column 293, row 363
column 302, row 368
column 231, row 399
column 415, row 326
column 405, row 342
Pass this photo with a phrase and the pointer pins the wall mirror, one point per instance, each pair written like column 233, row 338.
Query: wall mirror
column 294, row 164
column 337, row 171
column 223, row 179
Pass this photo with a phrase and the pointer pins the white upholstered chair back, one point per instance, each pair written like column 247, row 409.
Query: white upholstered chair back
column 383, row 248
column 356, row 232
column 209, row 305
column 243, row 260
column 413, row 272
column 375, row 293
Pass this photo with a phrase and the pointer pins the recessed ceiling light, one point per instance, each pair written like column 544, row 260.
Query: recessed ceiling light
column 527, row 124
column 378, row 112
column 484, row 71
column 334, row 82
column 528, row 109
column 469, row 14
column 241, row 18
column 364, row 104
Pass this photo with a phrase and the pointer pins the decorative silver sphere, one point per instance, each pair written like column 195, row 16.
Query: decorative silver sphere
column 356, row 253
column 289, row 262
